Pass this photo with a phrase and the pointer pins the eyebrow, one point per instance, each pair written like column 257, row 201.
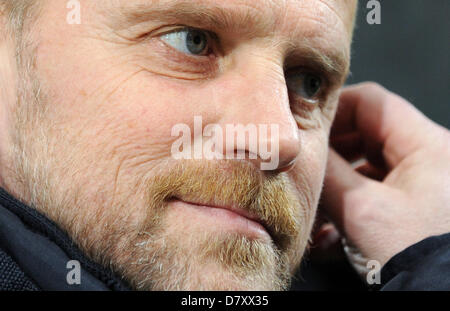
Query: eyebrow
column 334, row 62
column 243, row 20
column 200, row 13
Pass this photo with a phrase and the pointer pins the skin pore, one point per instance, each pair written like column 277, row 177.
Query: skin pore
column 89, row 132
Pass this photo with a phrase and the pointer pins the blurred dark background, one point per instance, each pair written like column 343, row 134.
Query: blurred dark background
column 408, row 53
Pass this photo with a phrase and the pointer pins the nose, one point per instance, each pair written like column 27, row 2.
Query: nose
column 254, row 97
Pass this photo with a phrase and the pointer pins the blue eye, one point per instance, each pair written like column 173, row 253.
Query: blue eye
column 306, row 85
column 188, row 41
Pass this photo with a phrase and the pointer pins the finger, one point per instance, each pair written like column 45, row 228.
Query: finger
column 390, row 127
column 340, row 180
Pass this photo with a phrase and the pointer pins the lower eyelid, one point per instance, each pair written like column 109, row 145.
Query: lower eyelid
column 309, row 104
column 168, row 61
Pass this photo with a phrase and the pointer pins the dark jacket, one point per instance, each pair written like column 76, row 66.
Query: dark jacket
column 34, row 254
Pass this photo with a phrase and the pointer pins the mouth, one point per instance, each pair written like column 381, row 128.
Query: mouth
column 224, row 218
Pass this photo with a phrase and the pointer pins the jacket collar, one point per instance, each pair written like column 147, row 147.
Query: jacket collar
column 42, row 250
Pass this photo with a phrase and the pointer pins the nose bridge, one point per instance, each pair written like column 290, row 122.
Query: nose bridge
column 256, row 96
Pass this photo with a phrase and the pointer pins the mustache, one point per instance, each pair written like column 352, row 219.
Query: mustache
column 270, row 197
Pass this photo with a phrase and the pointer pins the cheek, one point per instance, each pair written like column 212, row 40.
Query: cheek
column 309, row 171
column 125, row 111
column 144, row 110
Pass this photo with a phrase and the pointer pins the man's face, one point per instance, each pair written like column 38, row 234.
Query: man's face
column 91, row 133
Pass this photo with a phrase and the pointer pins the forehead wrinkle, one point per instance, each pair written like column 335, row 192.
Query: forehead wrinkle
column 337, row 12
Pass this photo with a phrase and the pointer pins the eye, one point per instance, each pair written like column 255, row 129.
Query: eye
column 305, row 85
column 189, row 41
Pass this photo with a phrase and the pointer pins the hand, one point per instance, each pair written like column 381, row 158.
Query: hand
column 401, row 195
